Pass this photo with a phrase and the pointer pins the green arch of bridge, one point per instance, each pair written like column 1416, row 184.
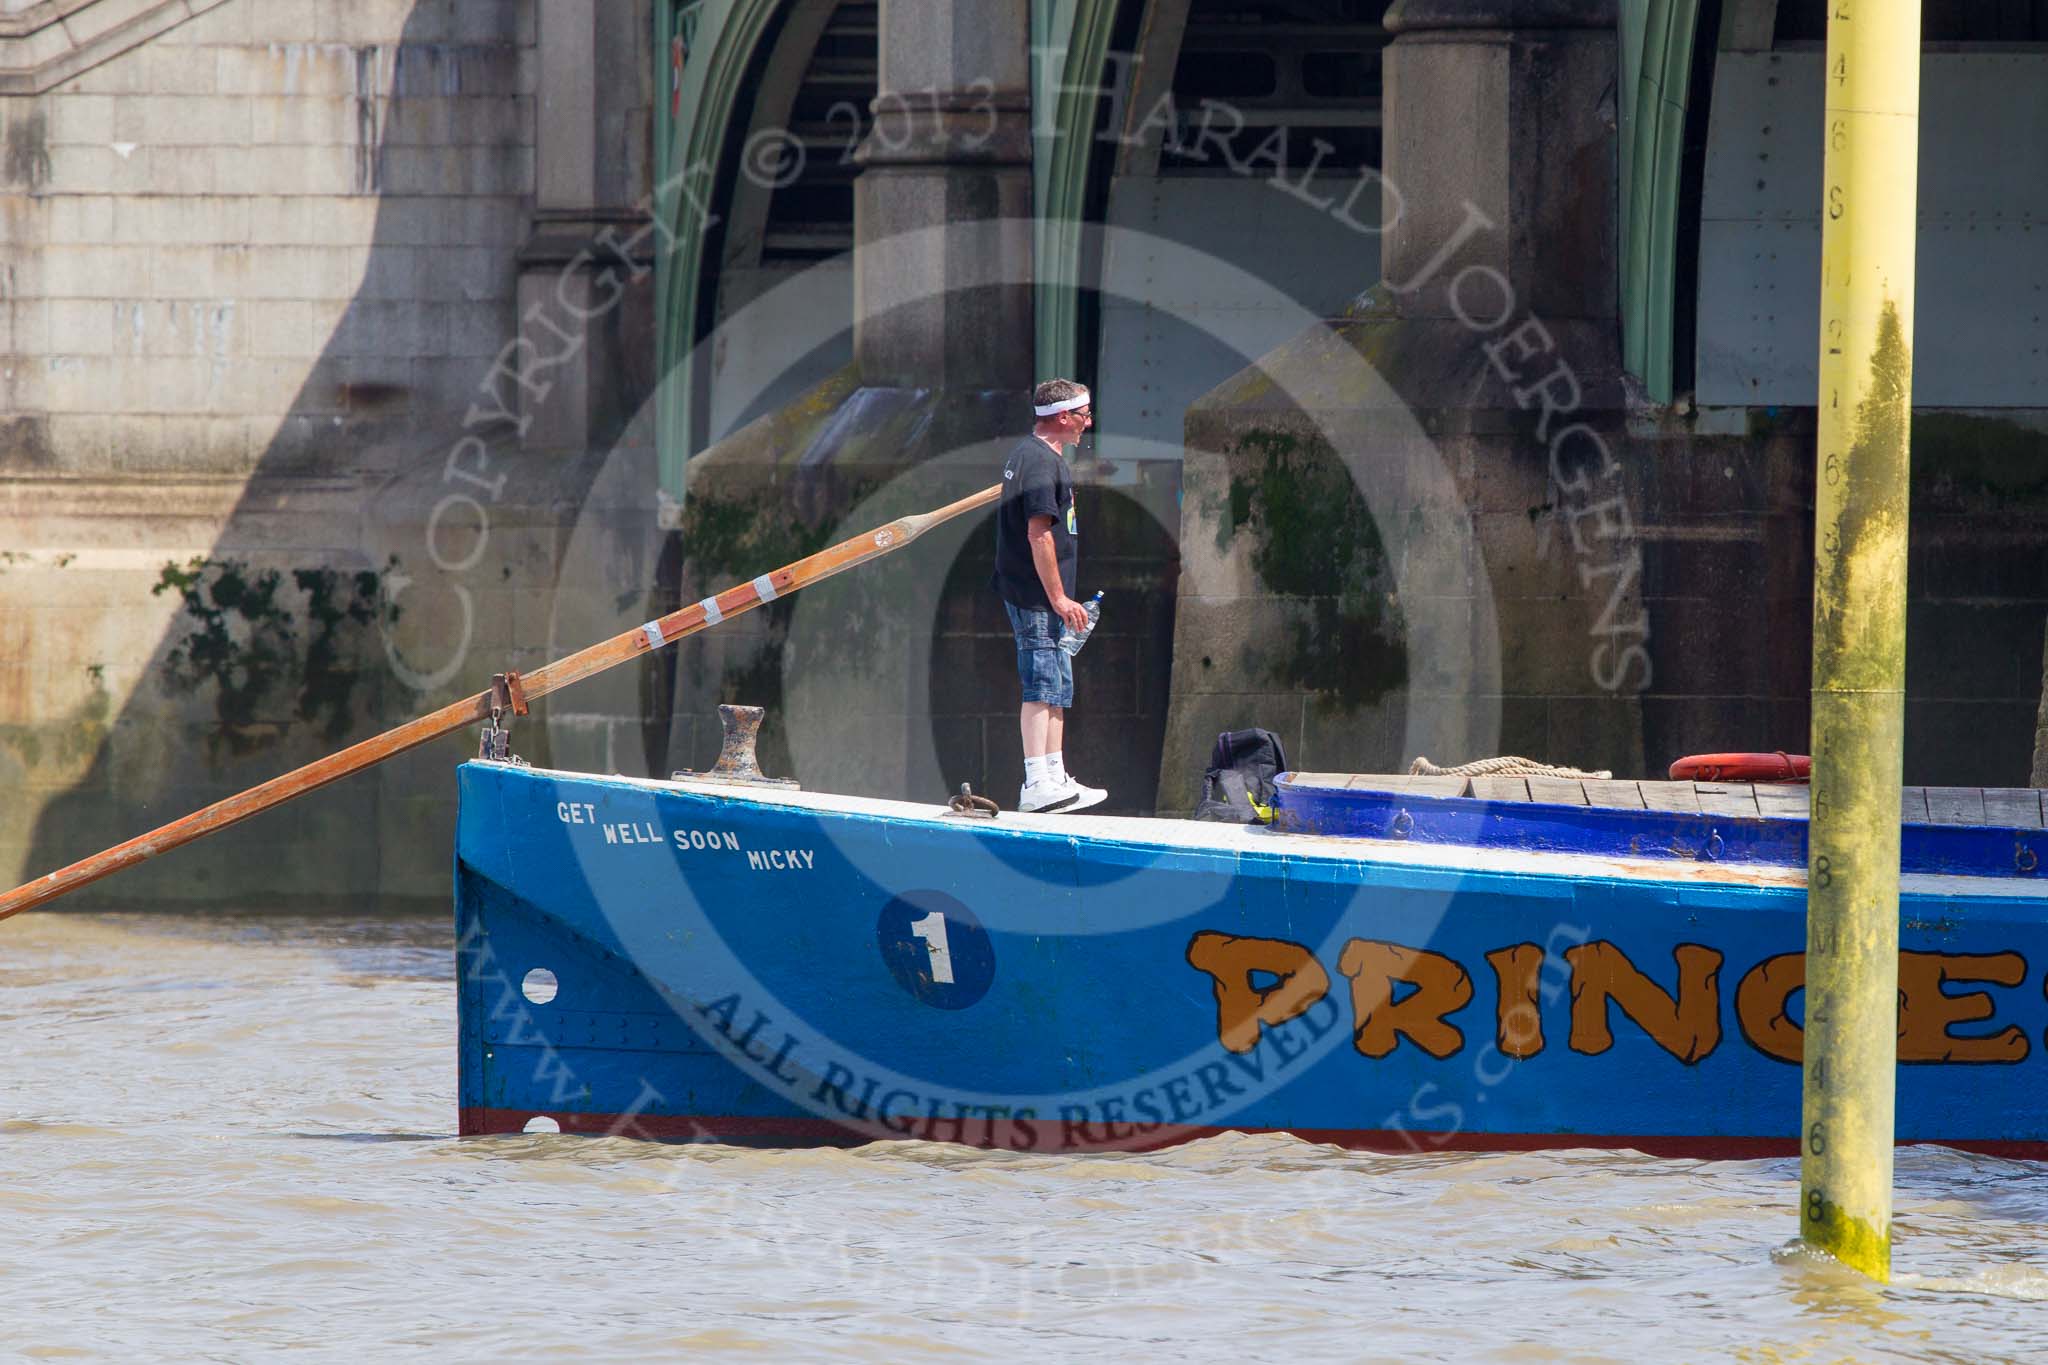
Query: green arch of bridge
column 723, row 39
column 1071, row 41
column 1072, row 38
column 1657, row 46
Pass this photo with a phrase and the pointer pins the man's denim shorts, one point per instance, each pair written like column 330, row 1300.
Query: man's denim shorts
column 1046, row 670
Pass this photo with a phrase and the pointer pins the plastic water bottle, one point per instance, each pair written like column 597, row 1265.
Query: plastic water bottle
column 1071, row 640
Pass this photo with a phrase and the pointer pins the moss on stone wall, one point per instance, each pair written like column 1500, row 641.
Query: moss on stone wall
column 267, row 651
column 1315, row 540
column 731, row 538
column 67, row 745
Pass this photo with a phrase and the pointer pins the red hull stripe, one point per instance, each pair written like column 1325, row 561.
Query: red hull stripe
column 1050, row 1135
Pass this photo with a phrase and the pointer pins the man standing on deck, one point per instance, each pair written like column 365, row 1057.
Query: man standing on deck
column 1035, row 555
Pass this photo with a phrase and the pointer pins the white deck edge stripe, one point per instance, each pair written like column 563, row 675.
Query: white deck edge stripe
column 1221, row 838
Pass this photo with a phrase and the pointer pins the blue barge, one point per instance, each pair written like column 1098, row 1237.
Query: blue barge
column 1396, row 964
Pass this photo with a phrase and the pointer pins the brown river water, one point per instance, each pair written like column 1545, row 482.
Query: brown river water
column 230, row 1138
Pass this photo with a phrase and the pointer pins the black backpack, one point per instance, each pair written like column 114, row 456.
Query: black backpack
column 1238, row 788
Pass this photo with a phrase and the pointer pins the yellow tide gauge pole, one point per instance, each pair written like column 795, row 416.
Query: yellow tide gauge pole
column 1869, row 207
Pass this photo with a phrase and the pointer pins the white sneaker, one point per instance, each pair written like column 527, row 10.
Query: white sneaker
column 1044, row 798
column 1084, row 797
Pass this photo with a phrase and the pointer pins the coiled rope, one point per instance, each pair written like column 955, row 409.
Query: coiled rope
column 1508, row 766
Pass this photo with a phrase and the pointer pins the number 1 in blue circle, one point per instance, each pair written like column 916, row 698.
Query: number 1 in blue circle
column 936, row 949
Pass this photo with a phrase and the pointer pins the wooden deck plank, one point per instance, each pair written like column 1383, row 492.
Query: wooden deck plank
column 1955, row 805
column 1670, row 796
column 1438, row 786
column 1557, row 791
column 1371, row 782
column 1501, row 788
column 1736, row 799
column 2013, row 807
column 1784, row 801
column 1613, row 795
column 1999, row 807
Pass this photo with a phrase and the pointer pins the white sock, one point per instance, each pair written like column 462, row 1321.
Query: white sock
column 1057, row 761
column 1037, row 770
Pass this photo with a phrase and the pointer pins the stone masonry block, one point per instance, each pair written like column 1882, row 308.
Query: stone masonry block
column 78, row 384
column 501, row 24
column 418, row 123
column 83, row 219
column 449, row 382
column 199, row 441
column 180, row 170
column 87, row 438
column 85, row 23
column 184, row 121
column 309, row 272
column 288, row 68
column 363, row 21
column 480, row 329
column 175, row 386
column 81, row 169
column 81, row 118
column 412, row 220
column 212, row 329
column 276, row 220
column 283, row 21
column 393, row 272
column 29, row 321
column 127, row 74
column 186, row 272
column 176, row 221
column 174, row 72
column 301, row 120
column 281, row 328
column 499, row 170
column 285, row 170
column 340, row 219
column 46, row 43
column 218, row 23
column 421, row 170
column 22, row 390
column 396, row 329
column 96, row 272
column 253, row 386
column 81, row 327
column 491, row 220
column 467, row 274
column 481, row 122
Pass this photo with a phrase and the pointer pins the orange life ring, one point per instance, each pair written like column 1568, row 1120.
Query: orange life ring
column 1777, row 767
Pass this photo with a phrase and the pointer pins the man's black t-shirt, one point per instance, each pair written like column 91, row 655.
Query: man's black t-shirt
column 1036, row 483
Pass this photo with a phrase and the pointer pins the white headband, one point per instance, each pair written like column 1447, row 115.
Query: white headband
column 1067, row 405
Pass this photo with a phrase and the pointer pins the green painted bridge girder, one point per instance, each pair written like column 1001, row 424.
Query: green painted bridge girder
column 724, row 39
column 1071, row 41
column 1657, row 40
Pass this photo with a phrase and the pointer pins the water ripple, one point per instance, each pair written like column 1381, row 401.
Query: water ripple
column 231, row 1137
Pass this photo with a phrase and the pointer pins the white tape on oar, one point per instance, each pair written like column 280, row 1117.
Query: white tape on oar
column 764, row 586
column 653, row 632
column 712, row 615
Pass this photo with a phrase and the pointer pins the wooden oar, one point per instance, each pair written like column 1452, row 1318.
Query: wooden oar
column 621, row 648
